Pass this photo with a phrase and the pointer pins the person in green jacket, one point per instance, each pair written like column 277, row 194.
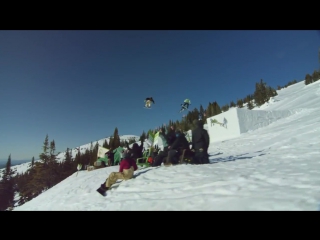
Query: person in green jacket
column 185, row 105
column 118, row 155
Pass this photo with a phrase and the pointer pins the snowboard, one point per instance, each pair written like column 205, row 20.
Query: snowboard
column 102, row 192
column 184, row 110
column 147, row 107
column 114, row 186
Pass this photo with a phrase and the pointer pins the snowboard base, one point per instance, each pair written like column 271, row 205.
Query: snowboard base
column 102, row 192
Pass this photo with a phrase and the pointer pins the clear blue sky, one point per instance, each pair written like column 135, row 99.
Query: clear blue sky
column 77, row 86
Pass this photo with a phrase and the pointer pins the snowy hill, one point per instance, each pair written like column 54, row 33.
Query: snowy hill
column 274, row 167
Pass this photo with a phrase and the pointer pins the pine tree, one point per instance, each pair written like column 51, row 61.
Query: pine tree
column 23, row 186
column 143, row 136
column 208, row 110
column 106, row 144
column 239, row 103
column 111, row 142
column 40, row 180
column 116, row 139
column 250, row 105
column 7, row 187
column 201, row 112
column 308, row 79
column 44, row 156
column 225, row 108
column 319, row 59
column 78, row 158
column 69, row 166
column 315, row 76
column 52, row 171
column 259, row 93
column 216, row 108
column 245, row 100
column 94, row 154
column 32, row 163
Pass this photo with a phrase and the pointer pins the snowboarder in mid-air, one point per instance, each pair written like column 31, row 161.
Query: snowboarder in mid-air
column 148, row 102
column 185, row 105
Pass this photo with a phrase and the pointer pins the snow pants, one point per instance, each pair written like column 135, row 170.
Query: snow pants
column 114, row 176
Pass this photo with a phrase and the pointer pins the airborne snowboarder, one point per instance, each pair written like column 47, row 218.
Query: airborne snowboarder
column 148, row 101
column 185, row 105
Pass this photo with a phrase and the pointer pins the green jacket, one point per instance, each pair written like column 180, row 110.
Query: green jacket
column 117, row 155
column 187, row 101
column 105, row 159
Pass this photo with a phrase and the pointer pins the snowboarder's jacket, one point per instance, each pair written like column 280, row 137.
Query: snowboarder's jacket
column 127, row 163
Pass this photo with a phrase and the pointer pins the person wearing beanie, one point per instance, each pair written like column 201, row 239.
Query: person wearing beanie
column 126, row 170
column 175, row 149
column 200, row 143
column 136, row 150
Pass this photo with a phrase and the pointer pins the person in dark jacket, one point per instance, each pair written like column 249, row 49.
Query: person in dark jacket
column 170, row 135
column 200, row 143
column 110, row 155
column 175, row 148
column 126, row 170
column 136, row 150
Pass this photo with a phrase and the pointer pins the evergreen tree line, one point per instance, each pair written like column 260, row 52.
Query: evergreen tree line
column 18, row 188
column 312, row 78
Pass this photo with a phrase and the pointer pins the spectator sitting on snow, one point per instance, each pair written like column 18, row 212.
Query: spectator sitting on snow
column 126, row 170
column 136, row 149
column 175, row 149
column 170, row 135
column 163, row 153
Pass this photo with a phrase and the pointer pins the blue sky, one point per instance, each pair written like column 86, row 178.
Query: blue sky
column 77, row 86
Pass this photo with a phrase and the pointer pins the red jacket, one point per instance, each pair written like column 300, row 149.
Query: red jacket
column 127, row 163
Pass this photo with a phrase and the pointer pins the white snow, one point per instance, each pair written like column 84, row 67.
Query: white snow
column 273, row 167
column 236, row 121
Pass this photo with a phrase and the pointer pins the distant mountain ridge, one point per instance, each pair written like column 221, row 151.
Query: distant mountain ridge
column 3, row 163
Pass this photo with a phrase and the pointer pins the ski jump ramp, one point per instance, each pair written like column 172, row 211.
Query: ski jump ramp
column 235, row 121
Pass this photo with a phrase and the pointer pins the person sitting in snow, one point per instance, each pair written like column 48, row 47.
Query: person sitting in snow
column 175, row 149
column 157, row 160
column 170, row 135
column 126, row 170
column 137, row 150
